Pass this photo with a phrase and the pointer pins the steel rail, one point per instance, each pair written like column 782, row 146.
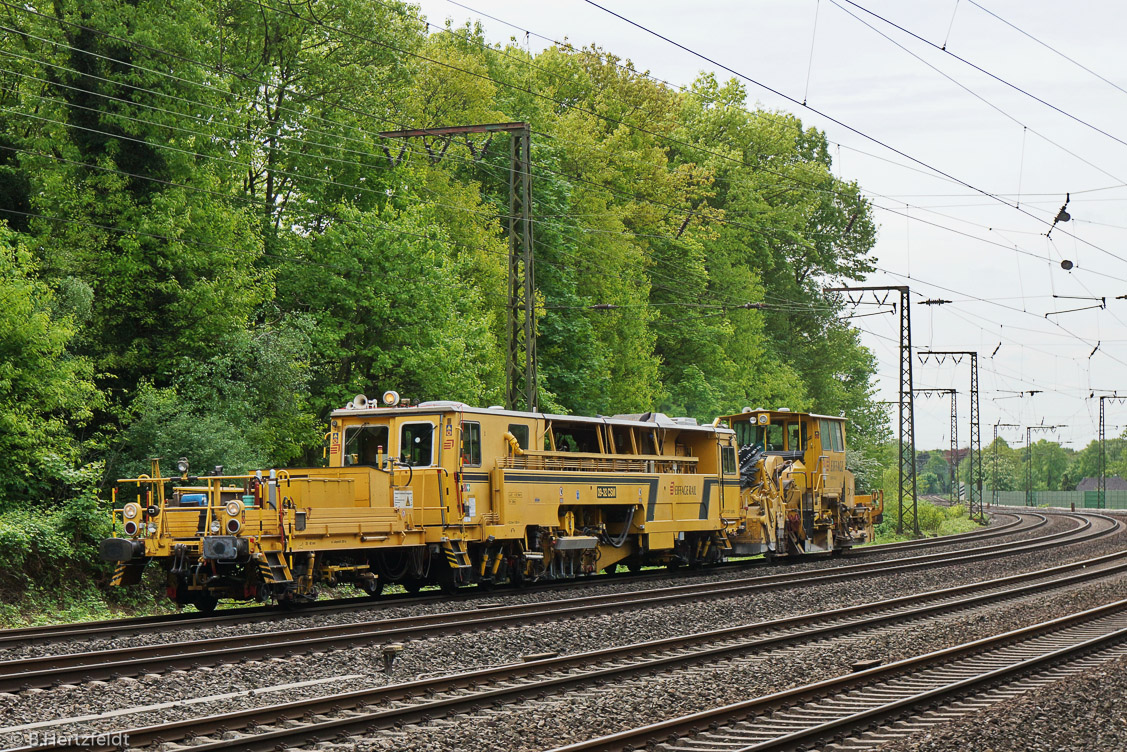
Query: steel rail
column 45, row 671
column 611, row 663
column 692, row 728
column 252, row 614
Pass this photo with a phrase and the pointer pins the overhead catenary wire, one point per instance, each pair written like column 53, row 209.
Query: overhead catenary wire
column 723, row 220
column 678, row 209
column 987, row 73
column 658, row 135
column 996, row 197
column 1047, row 46
column 976, row 95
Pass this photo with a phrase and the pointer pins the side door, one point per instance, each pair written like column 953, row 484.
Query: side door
column 421, row 487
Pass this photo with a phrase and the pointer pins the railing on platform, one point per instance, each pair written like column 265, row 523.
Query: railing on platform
column 584, row 462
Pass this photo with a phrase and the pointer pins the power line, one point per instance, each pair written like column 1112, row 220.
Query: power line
column 572, row 177
column 680, row 210
column 985, row 72
column 848, row 127
column 970, row 91
column 1047, row 46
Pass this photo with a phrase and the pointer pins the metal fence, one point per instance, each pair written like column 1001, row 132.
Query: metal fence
column 1082, row 499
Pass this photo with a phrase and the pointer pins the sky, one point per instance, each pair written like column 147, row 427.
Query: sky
column 966, row 173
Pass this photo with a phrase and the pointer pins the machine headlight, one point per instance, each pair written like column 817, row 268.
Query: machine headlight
column 234, row 508
column 152, row 528
column 130, row 511
column 214, row 527
column 234, row 526
column 130, row 528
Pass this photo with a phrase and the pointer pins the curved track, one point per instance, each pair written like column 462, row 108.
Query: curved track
column 1021, row 522
column 855, row 711
column 50, row 670
column 322, row 718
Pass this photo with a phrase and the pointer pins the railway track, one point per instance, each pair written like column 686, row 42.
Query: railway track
column 69, row 668
column 857, row 711
column 365, row 711
column 1021, row 522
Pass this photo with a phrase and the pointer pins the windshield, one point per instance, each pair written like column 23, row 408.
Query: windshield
column 364, row 444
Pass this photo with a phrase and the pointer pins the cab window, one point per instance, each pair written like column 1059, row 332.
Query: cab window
column 831, row 436
column 520, row 432
column 364, row 444
column 471, row 444
column 416, row 444
column 796, row 437
column 728, row 458
column 750, row 434
column 774, row 437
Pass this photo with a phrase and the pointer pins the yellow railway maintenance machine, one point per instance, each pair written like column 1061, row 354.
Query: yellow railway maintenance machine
column 443, row 493
column 797, row 496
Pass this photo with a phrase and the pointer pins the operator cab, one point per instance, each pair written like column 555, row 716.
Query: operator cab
column 775, row 432
column 817, row 441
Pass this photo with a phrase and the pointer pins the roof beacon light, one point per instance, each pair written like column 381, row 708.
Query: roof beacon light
column 390, row 398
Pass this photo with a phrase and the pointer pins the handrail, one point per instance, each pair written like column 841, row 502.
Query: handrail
column 600, row 455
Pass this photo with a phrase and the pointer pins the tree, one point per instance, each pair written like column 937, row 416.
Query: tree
column 937, row 466
column 47, row 395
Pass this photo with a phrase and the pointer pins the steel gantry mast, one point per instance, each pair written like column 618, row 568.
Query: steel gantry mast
column 907, row 438
column 1101, row 454
column 521, row 378
column 1029, row 459
column 994, row 485
column 1101, row 466
column 975, row 449
column 953, row 457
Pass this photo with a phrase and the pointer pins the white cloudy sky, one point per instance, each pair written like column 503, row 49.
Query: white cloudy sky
column 943, row 238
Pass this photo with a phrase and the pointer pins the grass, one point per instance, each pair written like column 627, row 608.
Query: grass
column 79, row 602
column 934, row 521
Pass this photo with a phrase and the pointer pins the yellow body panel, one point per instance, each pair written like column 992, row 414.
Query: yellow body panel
column 448, row 493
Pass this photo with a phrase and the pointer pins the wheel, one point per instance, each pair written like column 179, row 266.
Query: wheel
column 634, row 567
column 377, row 588
column 611, row 569
column 449, row 580
column 205, row 603
column 412, row 586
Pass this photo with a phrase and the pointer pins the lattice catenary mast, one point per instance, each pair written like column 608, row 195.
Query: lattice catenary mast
column 521, row 379
column 975, row 449
column 907, row 438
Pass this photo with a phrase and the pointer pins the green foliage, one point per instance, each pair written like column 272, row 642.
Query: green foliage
column 46, row 392
column 867, row 469
column 939, row 471
column 53, row 547
column 82, row 600
column 933, row 520
column 928, row 483
column 209, row 249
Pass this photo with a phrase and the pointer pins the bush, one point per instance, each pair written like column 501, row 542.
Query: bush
column 933, row 521
column 52, row 546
